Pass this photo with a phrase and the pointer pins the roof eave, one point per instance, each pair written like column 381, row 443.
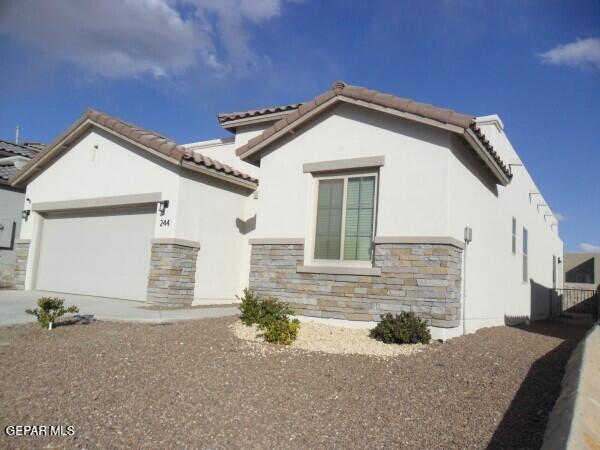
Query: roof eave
column 219, row 175
column 62, row 143
column 59, row 144
column 253, row 120
column 476, row 144
column 342, row 98
column 287, row 129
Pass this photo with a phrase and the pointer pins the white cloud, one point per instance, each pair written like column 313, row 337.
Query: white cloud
column 583, row 53
column 589, row 247
column 128, row 38
column 560, row 217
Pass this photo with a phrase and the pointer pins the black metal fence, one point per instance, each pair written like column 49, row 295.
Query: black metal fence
column 578, row 304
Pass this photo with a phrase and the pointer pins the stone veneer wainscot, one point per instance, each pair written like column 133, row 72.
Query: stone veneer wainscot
column 422, row 278
column 22, row 255
column 172, row 272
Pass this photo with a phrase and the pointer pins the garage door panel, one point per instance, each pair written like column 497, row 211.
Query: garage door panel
column 102, row 252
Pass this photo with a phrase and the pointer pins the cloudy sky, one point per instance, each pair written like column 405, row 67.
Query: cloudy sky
column 172, row 65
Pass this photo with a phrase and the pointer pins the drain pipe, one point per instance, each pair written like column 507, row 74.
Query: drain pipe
column 468, row 239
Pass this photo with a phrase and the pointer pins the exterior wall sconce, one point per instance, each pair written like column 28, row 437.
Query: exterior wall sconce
column 162, row 206
column 25, row 214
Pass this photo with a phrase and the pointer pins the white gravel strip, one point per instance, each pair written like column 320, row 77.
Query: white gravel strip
column 332, row 339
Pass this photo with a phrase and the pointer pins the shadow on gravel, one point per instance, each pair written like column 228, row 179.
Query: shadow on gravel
column 79, row 319
column 524, row 422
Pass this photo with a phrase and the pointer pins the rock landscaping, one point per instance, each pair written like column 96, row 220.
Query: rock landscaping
column 194, row 384
column 332, row 339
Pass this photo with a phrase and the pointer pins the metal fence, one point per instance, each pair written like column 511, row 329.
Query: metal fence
column 578, row 304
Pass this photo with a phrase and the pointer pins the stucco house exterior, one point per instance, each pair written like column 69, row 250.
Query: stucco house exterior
column 348, row 206
column 13, row 156
column 119, row 211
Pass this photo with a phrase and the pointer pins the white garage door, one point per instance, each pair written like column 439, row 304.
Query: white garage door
column 103, row 252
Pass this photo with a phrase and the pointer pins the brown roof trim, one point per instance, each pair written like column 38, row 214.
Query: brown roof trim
column 341, row 91
column 228, row 117
column 150, row 141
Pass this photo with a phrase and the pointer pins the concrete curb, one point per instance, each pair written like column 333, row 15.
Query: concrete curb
column 575, row 419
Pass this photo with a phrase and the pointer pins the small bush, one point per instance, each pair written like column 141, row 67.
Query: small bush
column 261, row 311
column 273, row 310
column 281, row 331
column 250, row 307
column 272, row 317
column 405, row 328
column 50, row 309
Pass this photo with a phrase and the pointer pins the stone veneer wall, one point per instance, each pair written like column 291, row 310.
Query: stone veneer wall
column 22, row 255
column 423, row 278
column 172, row 274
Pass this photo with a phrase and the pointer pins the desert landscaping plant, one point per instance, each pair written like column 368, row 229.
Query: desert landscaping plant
column 271, row 316
column 50, row 309
column 281, row 331
column 405, row 328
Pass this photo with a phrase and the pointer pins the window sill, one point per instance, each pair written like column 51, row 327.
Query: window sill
column 340, row 270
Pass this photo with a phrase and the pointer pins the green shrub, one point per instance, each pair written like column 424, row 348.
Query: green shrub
column 261, row 311
column 250, row 307
column 50, row 309
column 271, row 316
column 273, row 310
column 405, row 328
column 281, row 331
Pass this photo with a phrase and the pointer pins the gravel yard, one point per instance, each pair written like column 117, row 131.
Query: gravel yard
column 195, row 384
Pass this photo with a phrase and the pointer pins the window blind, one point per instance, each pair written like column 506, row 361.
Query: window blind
column 360, row 199
column 329, row 219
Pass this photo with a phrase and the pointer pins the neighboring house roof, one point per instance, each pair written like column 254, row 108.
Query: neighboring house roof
column 18, row 149
column 454, row 121
column 35, row 145
column 6, row 172
column 155, row 143
column 227, row 117
column 9, row 152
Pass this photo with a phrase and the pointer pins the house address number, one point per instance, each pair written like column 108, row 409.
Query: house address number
column 165, row 222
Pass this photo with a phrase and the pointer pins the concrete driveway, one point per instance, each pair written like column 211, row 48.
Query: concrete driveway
column 14, row 303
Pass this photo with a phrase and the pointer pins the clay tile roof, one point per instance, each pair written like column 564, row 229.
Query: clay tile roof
column 227, row 117
column 146, row 138
column 361, row 94
column 199, row 159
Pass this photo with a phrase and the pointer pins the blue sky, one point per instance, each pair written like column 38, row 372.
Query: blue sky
column 172, row 66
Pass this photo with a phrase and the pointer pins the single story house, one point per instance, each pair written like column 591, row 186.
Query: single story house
column 368, row 203
column 13, row 156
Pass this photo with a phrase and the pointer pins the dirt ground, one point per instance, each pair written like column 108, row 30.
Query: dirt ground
column 194, row 384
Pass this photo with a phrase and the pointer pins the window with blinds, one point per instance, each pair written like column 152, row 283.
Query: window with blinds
column 345, row 218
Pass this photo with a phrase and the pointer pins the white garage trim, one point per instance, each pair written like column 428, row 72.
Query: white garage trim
column 176, row 241
column 100, row 202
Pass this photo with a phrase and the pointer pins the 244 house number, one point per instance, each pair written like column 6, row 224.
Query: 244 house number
column 165, row 222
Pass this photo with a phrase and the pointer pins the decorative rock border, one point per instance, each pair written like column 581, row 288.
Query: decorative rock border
column 575, row 419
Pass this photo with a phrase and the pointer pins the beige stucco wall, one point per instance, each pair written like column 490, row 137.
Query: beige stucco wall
column 495, row 291
column 431, row 184
column 201, row 208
